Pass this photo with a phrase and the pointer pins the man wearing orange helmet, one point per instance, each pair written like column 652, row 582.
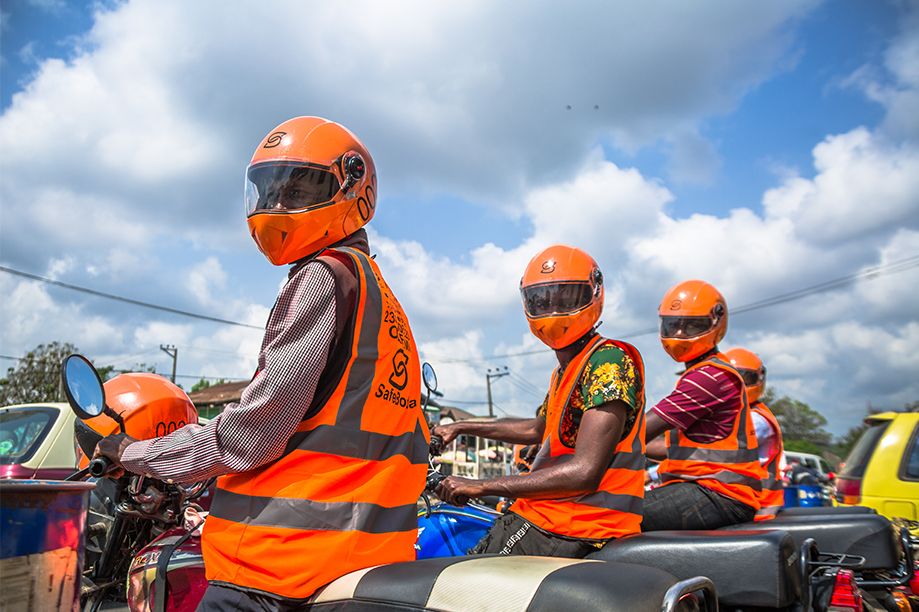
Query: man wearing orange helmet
column 585, row 486
column 768, row 431
column 710, row 470
column 321, row 463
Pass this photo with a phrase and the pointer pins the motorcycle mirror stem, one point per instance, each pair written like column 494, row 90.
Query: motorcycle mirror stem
column 83, row 388
column 429, row 377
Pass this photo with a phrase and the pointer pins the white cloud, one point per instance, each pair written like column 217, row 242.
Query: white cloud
column 136, row 146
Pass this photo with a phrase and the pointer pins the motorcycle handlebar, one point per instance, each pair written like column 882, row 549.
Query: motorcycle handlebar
column 434, row 478
column 99, row 467
column 437, row 445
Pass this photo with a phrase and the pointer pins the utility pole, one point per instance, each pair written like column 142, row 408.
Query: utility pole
column 173, row 352
column 496, row 373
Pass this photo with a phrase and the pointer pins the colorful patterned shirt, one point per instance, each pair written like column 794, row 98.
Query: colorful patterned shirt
column 610, row 375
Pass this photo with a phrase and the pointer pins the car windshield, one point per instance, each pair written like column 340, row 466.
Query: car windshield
column 22, row 431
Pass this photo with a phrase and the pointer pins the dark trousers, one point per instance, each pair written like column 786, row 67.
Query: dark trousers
column 686, row 505
column 219, row 598
column 513, row 535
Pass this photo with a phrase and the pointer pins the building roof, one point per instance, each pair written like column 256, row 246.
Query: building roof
column 232, row 391
column 219, row 394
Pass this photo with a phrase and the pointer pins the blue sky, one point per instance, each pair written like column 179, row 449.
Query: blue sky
column 762, row 147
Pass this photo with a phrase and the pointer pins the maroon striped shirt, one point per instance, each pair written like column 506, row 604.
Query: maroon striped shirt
column 704, row 404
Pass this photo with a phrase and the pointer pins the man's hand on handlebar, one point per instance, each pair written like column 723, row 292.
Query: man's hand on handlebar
column 458, row 491
column 112, row 448
column 447, row 432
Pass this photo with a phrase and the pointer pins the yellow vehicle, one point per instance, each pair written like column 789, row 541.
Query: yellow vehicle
column 882, row 470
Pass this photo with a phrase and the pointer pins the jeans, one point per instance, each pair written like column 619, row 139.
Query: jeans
column 687, row 505
column 513, row 535
column 219, row 598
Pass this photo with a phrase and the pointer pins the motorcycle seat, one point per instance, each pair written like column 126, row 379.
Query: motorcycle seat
column 494, row 582
column 825, row 510
column 749, row 568
column 867, row 535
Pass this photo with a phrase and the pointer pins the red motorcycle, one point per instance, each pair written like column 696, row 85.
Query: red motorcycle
column 143, row 535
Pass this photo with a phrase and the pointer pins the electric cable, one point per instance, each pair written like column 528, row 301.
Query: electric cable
column 126, row 300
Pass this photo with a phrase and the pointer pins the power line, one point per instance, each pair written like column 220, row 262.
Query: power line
column 119, row 298
column 520, row 379
column 866, row 275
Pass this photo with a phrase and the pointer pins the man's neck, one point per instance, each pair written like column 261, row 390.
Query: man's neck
column 357, row 240
column 565, row 355
column 702, row 358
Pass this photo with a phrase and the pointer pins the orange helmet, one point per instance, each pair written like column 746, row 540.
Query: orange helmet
column 150, row 405
column 562, row 291
column 752, row 370
column 310, row 183
column 694, row 319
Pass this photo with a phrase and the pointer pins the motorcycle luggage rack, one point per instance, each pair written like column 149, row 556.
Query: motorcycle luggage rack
column 904, row 571
column 689, row 587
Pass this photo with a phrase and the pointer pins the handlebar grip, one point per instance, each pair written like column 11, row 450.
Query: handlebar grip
column 99, row 466
column 437, row 445
column 434, row 478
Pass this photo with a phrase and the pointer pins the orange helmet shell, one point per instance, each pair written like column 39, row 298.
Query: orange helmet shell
column 694, row 298
column 285, row 236
column 561, row 264
column 742, row 359
column 150, row 405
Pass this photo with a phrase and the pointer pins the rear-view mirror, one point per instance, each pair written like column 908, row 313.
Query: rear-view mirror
column 429, row 377
column 83, row 387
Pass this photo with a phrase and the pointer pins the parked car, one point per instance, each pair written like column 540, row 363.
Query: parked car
column 814, row 462
column 36, row 441
column 882, row 470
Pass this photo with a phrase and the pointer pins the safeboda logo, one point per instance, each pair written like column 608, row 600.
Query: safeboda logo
column 399, row 376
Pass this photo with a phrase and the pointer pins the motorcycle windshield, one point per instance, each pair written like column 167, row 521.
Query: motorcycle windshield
column 283, row 186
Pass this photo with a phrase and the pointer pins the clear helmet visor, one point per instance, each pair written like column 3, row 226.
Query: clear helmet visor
column 281, row 186
column 549, row 299
column 685, row 327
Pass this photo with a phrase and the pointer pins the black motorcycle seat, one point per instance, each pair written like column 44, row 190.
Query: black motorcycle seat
column 749, row 568
column 868, row 535
column 831, row 510
column 493, row 582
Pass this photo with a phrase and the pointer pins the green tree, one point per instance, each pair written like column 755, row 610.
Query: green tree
column 37, row 376
column 204, row 384
column 801, row 425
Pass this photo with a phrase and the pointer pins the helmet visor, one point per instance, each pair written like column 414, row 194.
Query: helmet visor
column 752, row 378
column 288, row 186
column 684, row 327
column 555, row 298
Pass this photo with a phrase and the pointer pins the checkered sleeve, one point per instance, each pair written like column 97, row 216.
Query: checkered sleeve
column 294, row 352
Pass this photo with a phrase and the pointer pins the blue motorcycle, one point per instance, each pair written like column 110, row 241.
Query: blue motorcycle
column 445, row 530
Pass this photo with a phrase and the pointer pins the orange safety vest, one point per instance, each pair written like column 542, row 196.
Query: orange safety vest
column 614, row 509
column 344, row 494
column 729, row 466
column 772, row 498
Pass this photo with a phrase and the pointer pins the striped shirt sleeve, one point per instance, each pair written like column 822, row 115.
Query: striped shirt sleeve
column 294, row 352
column 705, row 402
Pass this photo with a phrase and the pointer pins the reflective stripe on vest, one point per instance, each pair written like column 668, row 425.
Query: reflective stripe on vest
column 772, row 497
column 343, row 495
column 614, row 509
column 729, row 466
